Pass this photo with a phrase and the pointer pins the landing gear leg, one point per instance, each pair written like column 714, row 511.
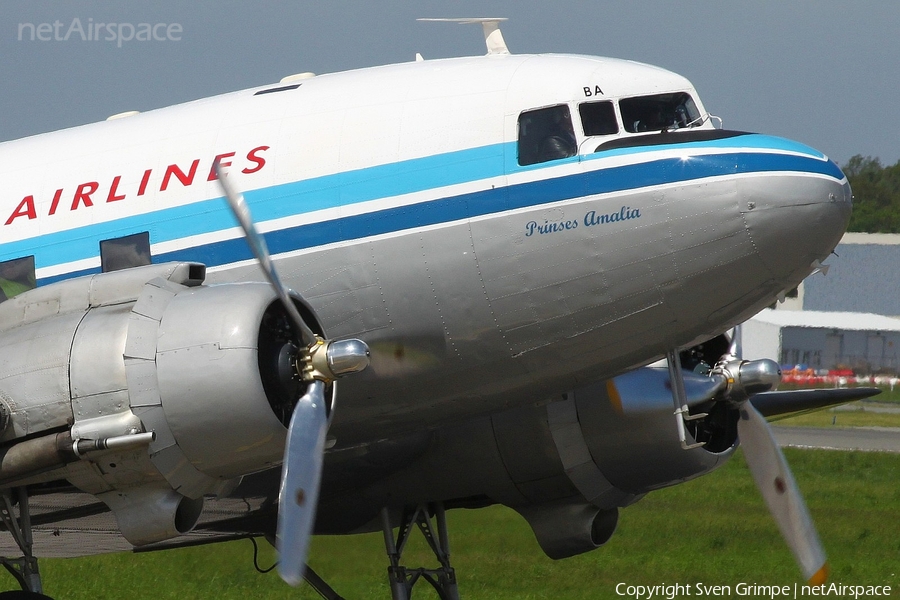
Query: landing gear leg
column 443, row 578
column 679, row 398
column 24, row 569
column 319, row 585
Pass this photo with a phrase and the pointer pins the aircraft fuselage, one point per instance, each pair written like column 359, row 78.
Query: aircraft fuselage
column 403, row 203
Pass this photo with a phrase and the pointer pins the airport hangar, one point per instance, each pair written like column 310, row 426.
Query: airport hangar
column 847, row 319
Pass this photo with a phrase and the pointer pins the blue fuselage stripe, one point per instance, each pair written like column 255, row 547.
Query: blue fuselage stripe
column 307, row 196
column 320, row 193
column 476, row 204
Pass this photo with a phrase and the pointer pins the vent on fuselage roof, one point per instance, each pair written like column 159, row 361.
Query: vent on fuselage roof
column 283, row 88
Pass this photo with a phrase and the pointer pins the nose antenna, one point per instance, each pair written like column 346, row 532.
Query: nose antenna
column 493, row 38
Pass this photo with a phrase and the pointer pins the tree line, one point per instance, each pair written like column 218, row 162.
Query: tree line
column 876, row 195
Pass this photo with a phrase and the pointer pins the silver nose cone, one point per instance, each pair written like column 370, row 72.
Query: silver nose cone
column 796, row 217
column 757, row 376
column 746, row 378
column 347, row 356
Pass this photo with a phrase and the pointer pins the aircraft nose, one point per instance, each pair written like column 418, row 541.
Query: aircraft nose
column 797, row 216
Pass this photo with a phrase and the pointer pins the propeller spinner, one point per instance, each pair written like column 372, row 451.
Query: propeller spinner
column 319, row 362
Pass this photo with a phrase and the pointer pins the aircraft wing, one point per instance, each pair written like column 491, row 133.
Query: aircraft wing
column 771, row 404
column 69, row 523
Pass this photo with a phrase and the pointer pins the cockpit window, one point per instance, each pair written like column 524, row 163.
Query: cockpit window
column 598, row 118
column 662, row 112
column 546, row 134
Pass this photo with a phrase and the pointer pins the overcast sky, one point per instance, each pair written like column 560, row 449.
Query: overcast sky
column 824, row 72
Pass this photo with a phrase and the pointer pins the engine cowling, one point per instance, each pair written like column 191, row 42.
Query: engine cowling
column 566, row 466
column 211, row 393
column 207, row 369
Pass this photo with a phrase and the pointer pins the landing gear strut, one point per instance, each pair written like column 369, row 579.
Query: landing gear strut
column 24, row 569
column 679, row 398
column 443, row 578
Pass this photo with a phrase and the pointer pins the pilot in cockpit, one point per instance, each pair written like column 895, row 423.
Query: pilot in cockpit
column 559, row 141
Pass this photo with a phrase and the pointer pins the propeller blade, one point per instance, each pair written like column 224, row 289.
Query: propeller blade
column 301, row 474
column 258, row 246
column 320, row 362
column 779, row 489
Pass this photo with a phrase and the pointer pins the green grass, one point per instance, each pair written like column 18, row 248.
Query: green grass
column 842, row 418
column 886, row 395
column 714, row 529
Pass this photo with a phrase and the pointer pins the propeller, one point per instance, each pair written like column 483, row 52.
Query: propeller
column 743, row 392
column 301, row 473
column 319, row 362
column 782, row 495
column 743, row 380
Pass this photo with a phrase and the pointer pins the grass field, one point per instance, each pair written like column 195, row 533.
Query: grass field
column 713, row 530
column 887, row 394
column 842, row 418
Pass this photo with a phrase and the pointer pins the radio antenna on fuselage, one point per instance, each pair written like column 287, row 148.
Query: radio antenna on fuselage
column 493, row 39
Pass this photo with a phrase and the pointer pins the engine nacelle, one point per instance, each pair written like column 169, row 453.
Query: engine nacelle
column 629, row 428
column 210, row 390
column 207, row 369
column 566, row 466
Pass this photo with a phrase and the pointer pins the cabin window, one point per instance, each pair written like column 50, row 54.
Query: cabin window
column 661, row 112
column 16, row 276
column 598, row 118
column 125, row 252
column 546, row 134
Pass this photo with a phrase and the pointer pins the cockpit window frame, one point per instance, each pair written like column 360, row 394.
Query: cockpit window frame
column 545, row 134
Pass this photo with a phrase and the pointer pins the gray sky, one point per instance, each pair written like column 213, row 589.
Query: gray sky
column 822, row 72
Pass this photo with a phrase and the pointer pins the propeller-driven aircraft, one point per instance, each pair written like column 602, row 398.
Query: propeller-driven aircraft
column 434, row 285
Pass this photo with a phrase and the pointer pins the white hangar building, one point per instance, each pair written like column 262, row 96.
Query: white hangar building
column 863, row 277
column 865, row 342
column 848, row 318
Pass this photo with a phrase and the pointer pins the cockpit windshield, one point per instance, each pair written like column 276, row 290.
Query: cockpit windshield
column 660, row 112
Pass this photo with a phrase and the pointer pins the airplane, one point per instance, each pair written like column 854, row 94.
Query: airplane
column 518, row 266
